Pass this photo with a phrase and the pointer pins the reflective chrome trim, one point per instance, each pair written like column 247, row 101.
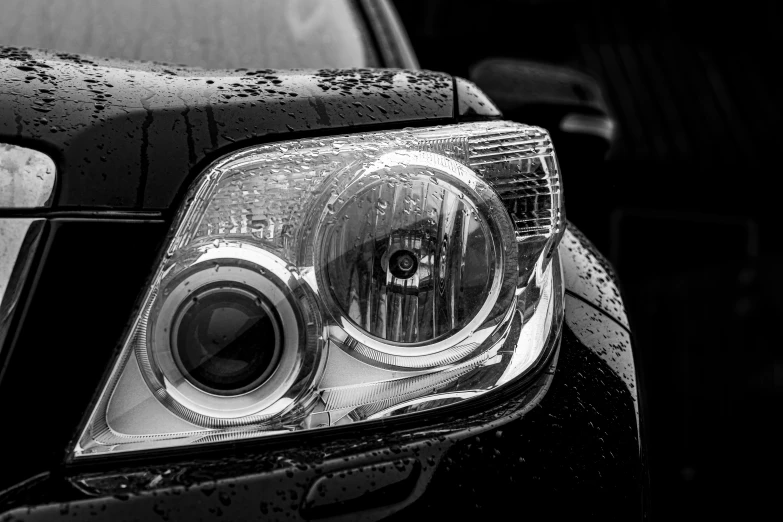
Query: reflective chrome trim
column 26, row 177
column 18, row 240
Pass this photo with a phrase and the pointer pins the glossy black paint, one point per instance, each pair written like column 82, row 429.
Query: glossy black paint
column 472, row 103
column 574, row 456
column 78, row 303
column 590, row 277
column 131, row 134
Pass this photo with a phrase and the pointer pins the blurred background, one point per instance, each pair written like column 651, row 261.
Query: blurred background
column 685, row 204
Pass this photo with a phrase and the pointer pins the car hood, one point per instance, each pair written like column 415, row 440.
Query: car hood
column 132, row 135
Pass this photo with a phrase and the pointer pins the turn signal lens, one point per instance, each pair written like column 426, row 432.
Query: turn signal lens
column 320, row 282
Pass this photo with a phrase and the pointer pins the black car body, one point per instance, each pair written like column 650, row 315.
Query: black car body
column 127, row 140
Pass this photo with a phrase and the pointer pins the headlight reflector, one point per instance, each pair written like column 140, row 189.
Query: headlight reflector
column 409, row 252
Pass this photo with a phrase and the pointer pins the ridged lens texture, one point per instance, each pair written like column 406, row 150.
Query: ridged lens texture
column 408, row 257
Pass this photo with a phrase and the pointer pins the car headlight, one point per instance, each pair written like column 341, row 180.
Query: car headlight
column 319, row 282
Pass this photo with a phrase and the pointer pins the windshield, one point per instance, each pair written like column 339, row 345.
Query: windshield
column 215, row 34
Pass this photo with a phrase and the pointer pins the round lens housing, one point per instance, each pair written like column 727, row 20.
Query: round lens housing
column 232, row 336
column 227, row 339
column 409, row 257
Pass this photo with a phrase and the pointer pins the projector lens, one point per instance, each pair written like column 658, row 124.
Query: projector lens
column 227, row 340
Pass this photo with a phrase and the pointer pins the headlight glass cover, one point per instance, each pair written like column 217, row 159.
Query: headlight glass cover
column 328, row 281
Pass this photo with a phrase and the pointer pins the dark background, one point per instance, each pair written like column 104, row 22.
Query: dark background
column 686, row 206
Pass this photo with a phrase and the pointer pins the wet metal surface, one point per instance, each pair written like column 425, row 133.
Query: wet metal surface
column 128, row 134
column 605, row 336
column 589, row 275
column 472, row 102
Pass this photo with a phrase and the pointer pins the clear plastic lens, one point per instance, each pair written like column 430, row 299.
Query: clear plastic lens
column 328, row 281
